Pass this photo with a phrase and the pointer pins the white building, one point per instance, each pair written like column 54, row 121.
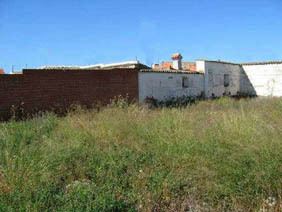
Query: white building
column 203, row 78
column 162, row 85
column 211, row 79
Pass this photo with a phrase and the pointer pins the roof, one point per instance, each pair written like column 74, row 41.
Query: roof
column 128, row 65
column 2, row 71
column 191, row 66
column 16, row 72
column 166, row 65
column 169, row 71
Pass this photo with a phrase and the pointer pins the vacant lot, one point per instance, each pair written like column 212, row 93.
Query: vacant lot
column 222, row 155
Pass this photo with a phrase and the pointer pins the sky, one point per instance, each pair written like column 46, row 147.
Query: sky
column 36, row 33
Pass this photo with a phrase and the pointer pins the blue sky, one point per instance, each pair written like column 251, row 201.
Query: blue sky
column 82, row 32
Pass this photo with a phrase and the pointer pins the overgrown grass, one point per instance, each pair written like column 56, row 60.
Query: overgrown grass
column 222, row 155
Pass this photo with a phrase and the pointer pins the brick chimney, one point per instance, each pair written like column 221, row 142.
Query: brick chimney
column 177, row 61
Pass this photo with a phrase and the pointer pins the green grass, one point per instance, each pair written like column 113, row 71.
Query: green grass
column 222, row 155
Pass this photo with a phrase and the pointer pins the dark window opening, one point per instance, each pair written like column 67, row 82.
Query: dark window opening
column 226, row 80
column 185, row 82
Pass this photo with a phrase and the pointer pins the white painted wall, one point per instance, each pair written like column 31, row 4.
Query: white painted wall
column 262, row 80
column 164, row 85
column 201, row 67
column 214, row 78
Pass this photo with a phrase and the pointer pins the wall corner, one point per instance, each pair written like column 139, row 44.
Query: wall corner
column 201, row 66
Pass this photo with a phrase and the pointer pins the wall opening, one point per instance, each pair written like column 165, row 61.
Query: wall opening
column 226, row 80
column 185, row 82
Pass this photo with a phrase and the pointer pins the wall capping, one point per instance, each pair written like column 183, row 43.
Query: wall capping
column 243, row 64
column 169, row 71
column 222, row 62
column 261, row 63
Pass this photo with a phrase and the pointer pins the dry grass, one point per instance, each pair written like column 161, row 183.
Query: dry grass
column 222, row 155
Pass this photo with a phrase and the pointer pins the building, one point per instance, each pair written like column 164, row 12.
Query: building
column 48, row 88
column 224, row 78
column 2, row 71
column 213, row 79
column 161, row 84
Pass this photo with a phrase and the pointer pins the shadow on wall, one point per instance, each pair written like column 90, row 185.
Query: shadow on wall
column 246, row 87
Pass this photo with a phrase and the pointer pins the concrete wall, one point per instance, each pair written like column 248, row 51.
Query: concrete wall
column 162, row 85
column 214, row 78
column 40, row 90
column 201, row 67
column 262, row 79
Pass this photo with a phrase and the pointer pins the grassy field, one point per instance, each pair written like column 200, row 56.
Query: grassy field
column 221, row 155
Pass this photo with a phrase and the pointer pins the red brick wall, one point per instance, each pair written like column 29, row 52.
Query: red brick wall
column 37, row 90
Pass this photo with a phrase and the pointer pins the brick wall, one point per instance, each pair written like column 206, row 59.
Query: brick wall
column 37, row 90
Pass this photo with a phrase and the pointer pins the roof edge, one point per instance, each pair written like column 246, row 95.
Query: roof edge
column 245, row 64
column 214, row 61
column 169, row 71
column 126, row 63
column 262, row 63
